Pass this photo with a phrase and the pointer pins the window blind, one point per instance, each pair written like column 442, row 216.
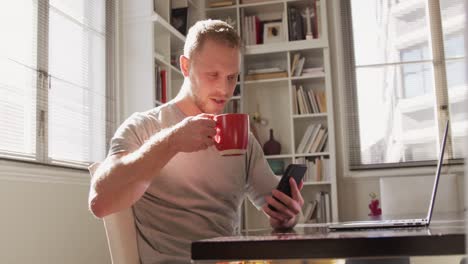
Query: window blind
column 405, row 76
column 57, row 100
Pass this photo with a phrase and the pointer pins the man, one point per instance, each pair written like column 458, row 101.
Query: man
column 163, row 163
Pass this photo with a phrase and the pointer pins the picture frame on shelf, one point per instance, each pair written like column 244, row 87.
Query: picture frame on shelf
column 273, row 32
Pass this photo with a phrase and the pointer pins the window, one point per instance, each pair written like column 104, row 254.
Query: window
column 56, row 96
column 405, row 67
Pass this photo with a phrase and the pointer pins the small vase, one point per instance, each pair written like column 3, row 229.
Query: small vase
column 272, row 147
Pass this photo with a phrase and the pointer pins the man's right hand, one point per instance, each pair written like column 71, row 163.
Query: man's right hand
column 194, row 133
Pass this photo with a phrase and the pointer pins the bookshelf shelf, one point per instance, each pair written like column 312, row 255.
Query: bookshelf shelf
column 285, row 46
column 161, row 22
column 281, row 156
column 267, row 81
column 264, row 3
column 318, row 115
column 307, row 77
column 314, row 154
column 162, row 61
column 238, row 97
column 307, row 183
column 221, row 8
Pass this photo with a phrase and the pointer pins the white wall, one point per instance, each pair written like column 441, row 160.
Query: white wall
column 45, row 219
column 354, row 186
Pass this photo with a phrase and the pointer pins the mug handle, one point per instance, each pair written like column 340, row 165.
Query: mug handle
column 217, row 137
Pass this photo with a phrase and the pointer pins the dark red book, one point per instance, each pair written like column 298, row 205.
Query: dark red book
column 315, row 23
column 163, row 86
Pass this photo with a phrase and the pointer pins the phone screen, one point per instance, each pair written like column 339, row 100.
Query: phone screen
column 297, row 172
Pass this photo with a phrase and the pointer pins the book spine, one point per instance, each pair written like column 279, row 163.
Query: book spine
column 163, row 86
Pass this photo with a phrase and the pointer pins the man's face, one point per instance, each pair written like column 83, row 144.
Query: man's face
column 213, row 76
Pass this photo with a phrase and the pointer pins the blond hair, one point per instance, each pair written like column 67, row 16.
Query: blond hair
column 216, row 30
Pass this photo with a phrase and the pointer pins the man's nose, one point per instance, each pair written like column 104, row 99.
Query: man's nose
column 223, row 87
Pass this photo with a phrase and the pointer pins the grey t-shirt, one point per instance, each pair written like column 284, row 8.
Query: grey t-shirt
column 196, row 195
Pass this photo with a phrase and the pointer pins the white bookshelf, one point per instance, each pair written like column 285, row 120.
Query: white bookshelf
column 151, row 41
column 273, row 97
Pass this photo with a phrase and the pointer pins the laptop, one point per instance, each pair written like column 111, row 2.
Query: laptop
column 399, row 222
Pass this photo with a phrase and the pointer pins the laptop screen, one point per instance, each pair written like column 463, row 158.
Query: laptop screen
column 439, row 167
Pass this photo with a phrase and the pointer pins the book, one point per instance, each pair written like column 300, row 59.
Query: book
column 264, row 76
column 300, row 65
column 163, row 86
column 312, row 101
column 258, row 30
column 292, row 13
column 323, row 143
column 312, row 137
column 245, row 30
column 309, row 211
column 326, row 169
column 326, row 197
column 317, row 18
column 294, row 63
column 313, row 72
column 304, row 97
column 294, row 100
column 305, row 137
column 317, row 140
column 264, row 70
column 319, row 213
column 295, row 24
column 299, row 100
column 157, row 84
column 318, row 171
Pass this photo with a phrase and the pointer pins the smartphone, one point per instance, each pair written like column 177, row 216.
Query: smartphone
column 297, row 172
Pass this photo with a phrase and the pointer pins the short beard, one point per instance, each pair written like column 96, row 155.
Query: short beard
column 198, row 103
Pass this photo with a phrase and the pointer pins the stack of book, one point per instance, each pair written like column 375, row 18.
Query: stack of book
column 308, row 101
column 252, row 30
column 313, row 72
column 314, row 139
column 266, row 73
column 295, row 24
column 318, row 169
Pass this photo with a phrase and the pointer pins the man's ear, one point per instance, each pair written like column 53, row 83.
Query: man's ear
column 184, row 65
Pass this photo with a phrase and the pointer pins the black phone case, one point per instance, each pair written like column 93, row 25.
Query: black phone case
column 297, row 172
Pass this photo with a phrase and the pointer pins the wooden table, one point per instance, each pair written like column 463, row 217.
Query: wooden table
column 443, row 237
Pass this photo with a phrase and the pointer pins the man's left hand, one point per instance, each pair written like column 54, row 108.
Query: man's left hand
column 287, row 208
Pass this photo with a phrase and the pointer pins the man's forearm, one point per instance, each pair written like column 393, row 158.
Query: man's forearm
column 120, row 182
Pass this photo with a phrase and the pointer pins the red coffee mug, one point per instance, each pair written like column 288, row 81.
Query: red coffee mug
column 232, row 134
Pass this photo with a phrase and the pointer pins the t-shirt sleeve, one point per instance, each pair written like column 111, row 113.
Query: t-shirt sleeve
column 130, row 135
column 260, row 178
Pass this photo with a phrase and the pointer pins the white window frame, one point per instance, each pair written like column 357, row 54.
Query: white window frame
column 340, row 40
column 41, row 168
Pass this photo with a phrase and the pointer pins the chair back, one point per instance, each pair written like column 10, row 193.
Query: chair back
column 121, row 234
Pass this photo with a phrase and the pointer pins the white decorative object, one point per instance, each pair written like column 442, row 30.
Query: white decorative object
column 308, row 15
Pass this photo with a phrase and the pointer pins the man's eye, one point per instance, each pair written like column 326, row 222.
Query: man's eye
column 231, row 77
column 213, row 74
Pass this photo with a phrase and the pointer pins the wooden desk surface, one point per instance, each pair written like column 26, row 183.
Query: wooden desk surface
column 445, row 237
